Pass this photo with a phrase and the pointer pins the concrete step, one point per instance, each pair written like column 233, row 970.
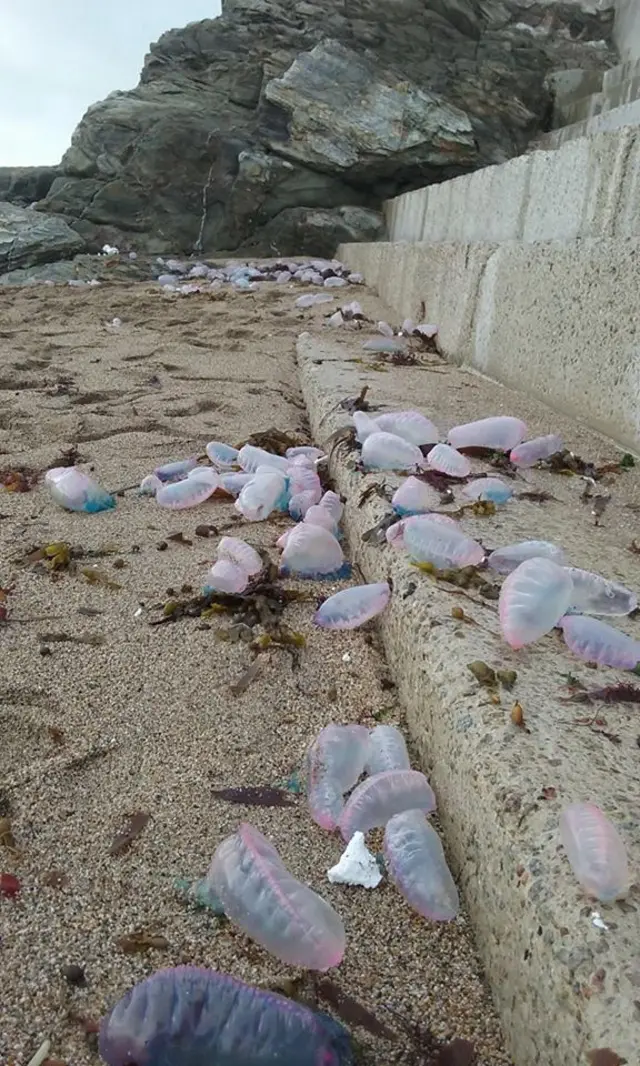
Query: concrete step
column 563, row 983
column 587, row 188
column 628, row 115
column 556, row 319
column 582, row 94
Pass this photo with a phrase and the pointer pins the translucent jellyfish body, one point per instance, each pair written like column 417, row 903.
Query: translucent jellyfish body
column 446, row 460
column 413, row 497
column 226, row 576
column 221, row 455
column 283, row 915
column 410, row 425
column 76, row 491
column 417, row 866
column 250, row 458
column 190, row 1016
column 191, row 491
column 443, row 544
column 261, row 495
column 501, row 433
column 532, row 600
column 596, row 642
column 488, row 488
column 594, row 594
column 505, row 560
column 334, row 763
column 352, row 607
column 179, row 469
column 387, row 750
column 530, row 452
column 381, row 796
column 313, row 552
column 240, row 553
column 386, row 451
column 595, row 851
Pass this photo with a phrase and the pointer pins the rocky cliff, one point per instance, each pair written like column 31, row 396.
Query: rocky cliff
column 281, row 126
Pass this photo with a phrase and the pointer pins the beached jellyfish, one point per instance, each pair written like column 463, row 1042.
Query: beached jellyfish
column 332, row 503
column 530, row 452
column 417, row 866
column 307, row 450
column 352, row 607
column 505, row 560
column 190, row 1016
column 443, row 544
column 381, row 796
column 532, row 600
column 226, row 576
column 446, row 460
column 310, row 299
column 221, row 455
column 261, row 495
column 179, row 469
column 387, row 750
column 414, row 496
column 240, row 553
column 595, row 851
column 596, row 642
column 76, row 491
column 333, row 765
column 282, row 914
column 501, row 433
column 149, row 485
column 250, row 457
column 488, row 488
column 234, row 483
column 410, row 425
column 386, row 451
column 313, row 552
column 364, row 424
column 320, row 516
column 386, row 345
column 594, row 594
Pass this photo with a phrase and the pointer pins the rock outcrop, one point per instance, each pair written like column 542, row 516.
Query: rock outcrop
column 28, row 237
column 26, row 185
column 283, row 125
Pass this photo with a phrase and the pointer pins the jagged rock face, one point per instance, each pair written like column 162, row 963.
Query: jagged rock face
column 244, row 127
column 28, row 237
column 25, row 185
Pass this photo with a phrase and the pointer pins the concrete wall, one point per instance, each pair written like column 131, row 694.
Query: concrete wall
column 587, row 189
column 627, row 28
column 557, row 320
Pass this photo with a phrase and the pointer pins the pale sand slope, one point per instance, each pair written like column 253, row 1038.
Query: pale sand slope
column 147, row 720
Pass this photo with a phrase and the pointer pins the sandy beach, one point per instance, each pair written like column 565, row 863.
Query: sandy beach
column 103, row 715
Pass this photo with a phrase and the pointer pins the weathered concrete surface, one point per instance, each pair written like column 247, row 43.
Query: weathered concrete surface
column 554, row 319
column 562, row 984
column 587, row 188
column 627, row 28
column 616, row 119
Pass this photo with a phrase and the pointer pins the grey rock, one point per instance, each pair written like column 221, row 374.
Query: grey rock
column 27, row 237
column 25, row 185
column 248, row 129
column 337, row 111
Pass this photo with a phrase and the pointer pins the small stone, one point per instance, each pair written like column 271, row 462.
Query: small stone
column 74, row 975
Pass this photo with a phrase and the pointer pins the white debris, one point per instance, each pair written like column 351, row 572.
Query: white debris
column 598, row 921
column 108, row 249
column 357, row 866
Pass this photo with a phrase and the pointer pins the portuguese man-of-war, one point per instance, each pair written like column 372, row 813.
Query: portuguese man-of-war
column 173, row 471
column 379, row 797
column 352, row 607
column 442, row 544
column 446, row 460
column 283, row 915
column 500, row 433
column 504, row 560
column 532, row 451
column 76, row 491
column 595, row 851
column 410, row 425
column 594, row 594
column 314, row 553
column 221, row 455
column 262, row 495
column 386, row 451
column 191, row 1016
column 226, row 576
column 387, row 750
column 240, row 553
column 596, row 642
column 532, row 600
column 413, row 497
column 417, row 866
column 191, row 491
column 492, row 489
column 333, row 765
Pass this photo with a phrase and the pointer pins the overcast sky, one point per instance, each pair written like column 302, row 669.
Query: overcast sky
column 59, row 56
